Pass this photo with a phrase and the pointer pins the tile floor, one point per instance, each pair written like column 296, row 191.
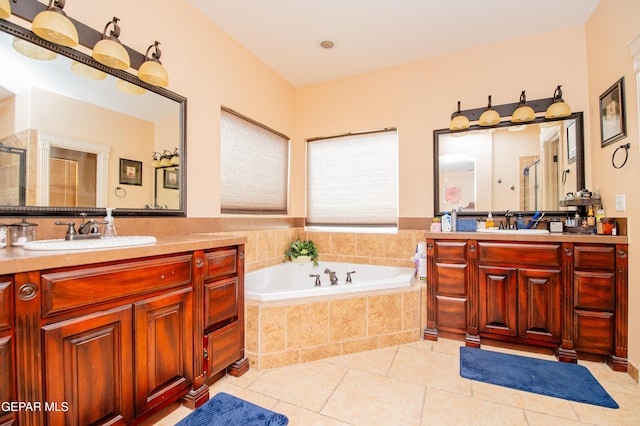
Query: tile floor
column 416, row 384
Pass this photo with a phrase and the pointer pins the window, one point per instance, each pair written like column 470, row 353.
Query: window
column 352, row 180
column 254, row 163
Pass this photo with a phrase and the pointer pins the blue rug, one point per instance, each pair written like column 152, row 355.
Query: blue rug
column 227, row 410
column 552, row 378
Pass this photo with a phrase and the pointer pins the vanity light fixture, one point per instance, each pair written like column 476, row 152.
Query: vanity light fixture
column 109, row 51
column 558, row 109
column 524, row 112
column 54, row 26
column 490, row 117
column 155, row 162
column 5, row 9
column 152, row 71
column 175, row 160
column 459, row 121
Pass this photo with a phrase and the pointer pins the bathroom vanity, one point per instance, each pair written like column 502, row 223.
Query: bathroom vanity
column 112, row 336
column 567, row 292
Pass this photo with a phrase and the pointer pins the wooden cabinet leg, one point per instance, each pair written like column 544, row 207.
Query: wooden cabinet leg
column 239, row 367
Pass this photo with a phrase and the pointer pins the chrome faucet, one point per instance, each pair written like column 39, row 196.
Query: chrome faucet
column 508, row 215
column 349, row 277
column 318, row 283
column 87, row 230
column 332, row 276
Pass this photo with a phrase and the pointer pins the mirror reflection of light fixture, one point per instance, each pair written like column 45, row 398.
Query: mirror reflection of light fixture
column 5, row 9
column 129, row 88
column 54, row 26
column 152, row 71
column 33, row 51
column 558, row 108
column 109, row 51
column 85, row 71
column 459, row 121
column 165, row 161
column 524, row 112
column 156, row 159
column 175, row 160
column 490, row 117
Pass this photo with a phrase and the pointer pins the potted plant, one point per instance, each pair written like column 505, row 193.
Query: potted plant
column 302, row 251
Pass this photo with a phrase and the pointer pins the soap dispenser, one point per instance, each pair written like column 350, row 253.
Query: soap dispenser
column 489, row 224
column 519, row 221
column 110, row 226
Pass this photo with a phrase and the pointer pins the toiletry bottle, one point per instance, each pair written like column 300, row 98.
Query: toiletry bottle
column 446, row 222
column 591, row 218
column 489, row 222
column 110, row 226
column 454, row 220
column 519, row 221
column 599, row 216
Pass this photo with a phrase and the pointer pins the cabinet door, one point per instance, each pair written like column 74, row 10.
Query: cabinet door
column 163, row 348
column 498, row 300
column 7, row 373
column 224, row 347
column 539, row 299
column 88, row 361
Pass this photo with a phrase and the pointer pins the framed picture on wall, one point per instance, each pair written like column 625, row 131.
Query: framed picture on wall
column 171, row 179
column 130, row 172
column 613, row 126
column 571, row 142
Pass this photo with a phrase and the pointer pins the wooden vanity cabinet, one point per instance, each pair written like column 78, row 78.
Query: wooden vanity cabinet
column 7, row 372
column 114, row 342
column 564, row 295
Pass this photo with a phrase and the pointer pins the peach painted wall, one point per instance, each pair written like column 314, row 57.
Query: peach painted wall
column 609, row 30
column 419, row 97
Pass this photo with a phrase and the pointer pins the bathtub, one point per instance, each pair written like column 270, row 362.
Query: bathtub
column 291, row 280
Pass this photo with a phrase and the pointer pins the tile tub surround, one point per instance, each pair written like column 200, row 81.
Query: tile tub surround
column 294, row 331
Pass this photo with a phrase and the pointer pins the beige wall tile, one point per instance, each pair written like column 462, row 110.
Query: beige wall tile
column 400, row 338
column 307, row 325
column 251, row 328
column 343, row 243
column 272, row 329
column 279, row 359
column 411, row 309
column 385, row 313
column 371, row 245
column 359, row 345
column 320, row 352
column 347, row 319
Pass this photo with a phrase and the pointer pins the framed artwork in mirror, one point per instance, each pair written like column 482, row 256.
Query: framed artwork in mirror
column 130, row 172
column 171, row 179
column 613, row 126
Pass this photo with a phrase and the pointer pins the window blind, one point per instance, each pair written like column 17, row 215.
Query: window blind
column 352, row 180
column 254, row 164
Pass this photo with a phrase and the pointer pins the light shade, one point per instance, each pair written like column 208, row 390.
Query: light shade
column 490, row 117
column 558, row 109
column 128, row 88
column 524, row 112
column 5, row 9
column 33, row 51
column 109, row 51
column 459, row 121
column 85, row 71
column 54, row 26
column 152, row 71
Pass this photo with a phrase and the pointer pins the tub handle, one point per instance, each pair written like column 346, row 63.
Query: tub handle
column 318, row 283
column 349, row 276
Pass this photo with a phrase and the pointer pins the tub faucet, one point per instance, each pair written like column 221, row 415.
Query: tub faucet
column 318, row 283
column 332, row 276
column 349, row 277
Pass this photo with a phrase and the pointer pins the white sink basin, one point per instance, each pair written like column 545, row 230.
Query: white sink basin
column 100, row 243
column 513, row 231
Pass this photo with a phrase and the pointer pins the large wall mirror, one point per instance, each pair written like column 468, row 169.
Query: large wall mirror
column 77, row 123
column 519, row 167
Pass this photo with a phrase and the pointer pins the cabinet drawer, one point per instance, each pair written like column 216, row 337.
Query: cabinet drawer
column 220, row 263
column 451, row 314
column 594, row 257
column 519, row 254
column 451, row 279
column 74, row 288
column 594, row 331
column 220, row 301
column 594, row 290
column 6, row 304
column 224, row 347
column 450, row 251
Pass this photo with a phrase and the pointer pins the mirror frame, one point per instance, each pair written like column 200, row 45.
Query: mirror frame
column 580, row 172
column 20, row 32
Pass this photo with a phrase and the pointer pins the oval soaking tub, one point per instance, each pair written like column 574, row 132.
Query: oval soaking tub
column 292, row 280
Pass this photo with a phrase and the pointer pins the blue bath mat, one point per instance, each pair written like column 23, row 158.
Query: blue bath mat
column 552, row 378
column 227, row 410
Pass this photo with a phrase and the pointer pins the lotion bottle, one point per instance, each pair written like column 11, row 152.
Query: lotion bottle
column 109, row 227
column 489, row 224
